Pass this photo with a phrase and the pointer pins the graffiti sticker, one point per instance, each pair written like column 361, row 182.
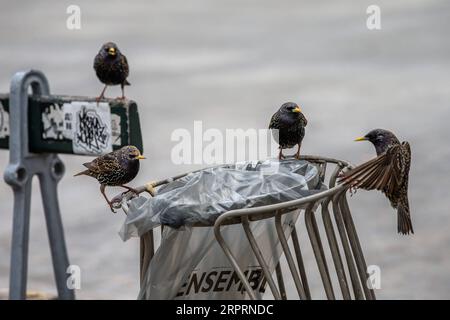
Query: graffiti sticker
column 88, row 125
column 4, row 122
column 115, row 129
column 53, row 122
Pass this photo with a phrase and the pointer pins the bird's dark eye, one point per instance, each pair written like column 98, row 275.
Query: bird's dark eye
column 380, row 137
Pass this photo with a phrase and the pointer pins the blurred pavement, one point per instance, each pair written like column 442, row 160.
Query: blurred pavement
column 231, row 64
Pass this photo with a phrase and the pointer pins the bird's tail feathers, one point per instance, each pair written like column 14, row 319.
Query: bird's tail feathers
column 404, row 224
column 87, row 164
column 126, row 83
column 85, row 172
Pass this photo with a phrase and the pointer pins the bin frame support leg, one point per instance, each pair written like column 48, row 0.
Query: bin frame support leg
column 19, row 173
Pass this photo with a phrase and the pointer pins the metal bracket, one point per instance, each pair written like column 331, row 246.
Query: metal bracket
column 22, row 166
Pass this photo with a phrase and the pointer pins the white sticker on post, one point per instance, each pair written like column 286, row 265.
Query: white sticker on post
column 4, row 122
column 88, row 125
column 115, row 130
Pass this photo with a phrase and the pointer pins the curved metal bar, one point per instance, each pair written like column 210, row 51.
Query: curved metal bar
column 260, row 258
column 347, row 251
column 337, row 260
column 356, row 247
column 280, row 281
column 288, row 255
column 301, row 266
column 285, row 207
column 323, row 170
column 313, row 158
column 317, row 233
column 20, row 84
column 232, row 259
column 336, row 171
column 316, row 244
column 331, row 237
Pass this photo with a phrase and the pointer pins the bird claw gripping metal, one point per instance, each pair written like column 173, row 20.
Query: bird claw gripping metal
column 121, row 200
column 118, row 202
column 22, row 166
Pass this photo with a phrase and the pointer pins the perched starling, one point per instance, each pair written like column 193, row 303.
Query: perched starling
column 114, row 169
column 387, row 172
column 111, row 67
column 291, row 123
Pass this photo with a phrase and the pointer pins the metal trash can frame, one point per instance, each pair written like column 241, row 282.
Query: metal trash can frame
column 347, row 254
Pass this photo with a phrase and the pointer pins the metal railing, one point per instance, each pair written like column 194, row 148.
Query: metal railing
column 345, row 249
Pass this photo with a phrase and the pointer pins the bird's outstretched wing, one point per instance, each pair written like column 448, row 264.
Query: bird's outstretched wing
column 385, row 172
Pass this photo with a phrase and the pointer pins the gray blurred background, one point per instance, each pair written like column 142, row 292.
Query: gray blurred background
column 231, row 64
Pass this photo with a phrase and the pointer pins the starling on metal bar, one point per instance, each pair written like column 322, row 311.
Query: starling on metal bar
column 387, row 172
column 111, row 67
column 114, row 169
column 291, row 123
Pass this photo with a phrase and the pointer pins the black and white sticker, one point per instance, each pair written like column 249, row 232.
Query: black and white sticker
column 4, row 122
column 115, row 130
column 52, row 122
column 88, row 125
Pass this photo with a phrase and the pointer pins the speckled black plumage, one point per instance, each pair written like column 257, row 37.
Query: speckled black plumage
column 111, row 67
column 116, row 168
column 388, row 172
column 291, row 123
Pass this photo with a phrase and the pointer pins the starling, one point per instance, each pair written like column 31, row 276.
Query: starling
column 291, row 123
column 387, row 172
column 114, row 169
column 111, row 67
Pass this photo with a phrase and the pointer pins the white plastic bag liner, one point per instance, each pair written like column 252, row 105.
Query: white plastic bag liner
column 190, row 264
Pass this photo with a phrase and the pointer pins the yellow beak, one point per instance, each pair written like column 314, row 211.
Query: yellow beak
column 297, row 110
column 140, row 157
column 361, row 139
column 112, row 51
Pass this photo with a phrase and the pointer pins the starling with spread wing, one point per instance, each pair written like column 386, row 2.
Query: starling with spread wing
column 111, row 67
column 114, row 169
column 388, row 172
column 290, row 124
